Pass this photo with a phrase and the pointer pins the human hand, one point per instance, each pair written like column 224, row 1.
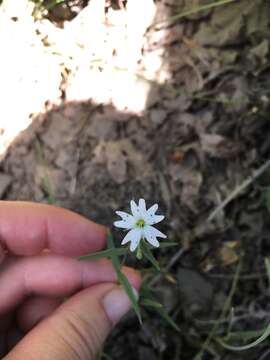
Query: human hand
column 39, row 269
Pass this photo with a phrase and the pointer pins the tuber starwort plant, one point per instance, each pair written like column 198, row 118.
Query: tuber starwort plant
column 142, row 238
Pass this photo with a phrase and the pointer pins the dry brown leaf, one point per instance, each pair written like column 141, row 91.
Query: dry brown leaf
column 226, row 255
column 219, row 146
column 116, row 161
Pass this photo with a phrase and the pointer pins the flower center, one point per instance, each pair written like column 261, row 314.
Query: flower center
column 140, row 223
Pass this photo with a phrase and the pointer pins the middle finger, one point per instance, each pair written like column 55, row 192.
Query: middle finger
column 52, row 276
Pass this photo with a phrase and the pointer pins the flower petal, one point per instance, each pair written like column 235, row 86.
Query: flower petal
column 153, row 241
column 134, row 236
column 153, row 219
column 122, row 224
column 127, row 221
column 150, row 233
column 157, row 233
column 126, row 238
column 152, row 210
column 150, row 237
column 123, row 214
column 142, row 207
column 134, row 209
column 133, row 245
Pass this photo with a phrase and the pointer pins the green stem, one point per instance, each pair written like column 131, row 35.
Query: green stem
column 124, row 259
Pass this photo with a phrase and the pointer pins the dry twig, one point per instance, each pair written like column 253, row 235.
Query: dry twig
column 239, row 189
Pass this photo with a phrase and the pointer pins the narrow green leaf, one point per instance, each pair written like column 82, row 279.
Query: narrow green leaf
column 265, row 334
column 48, row 188
column 52, row 4
column 163, row 313
column 148, row 300
column 123, row 280
column 151, row 303
column 192, row 11
column 105, row 253
column 148, row 254
column 242, row 335
column 129, row 290
column 115, row 259
column 225, row 308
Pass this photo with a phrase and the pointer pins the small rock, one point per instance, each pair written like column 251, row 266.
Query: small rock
column 157, row 116
column 196, row 292
column 61, row 12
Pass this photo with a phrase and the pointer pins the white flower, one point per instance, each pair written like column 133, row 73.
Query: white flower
column 140, row 224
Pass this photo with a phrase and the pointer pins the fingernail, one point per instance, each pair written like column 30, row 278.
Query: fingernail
column 116, row 304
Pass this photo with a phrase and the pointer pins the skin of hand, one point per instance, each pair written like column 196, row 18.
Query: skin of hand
column 53, row 306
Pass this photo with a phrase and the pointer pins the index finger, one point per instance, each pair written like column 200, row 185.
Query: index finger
column 28, row 228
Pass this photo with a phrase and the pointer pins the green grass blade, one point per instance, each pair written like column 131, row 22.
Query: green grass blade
column 192, row 11
column 50, row 5
column 123, row 280
column 151, row 303
column 48, row 187
column 163, row 313
column 129, row 290
column 243, row 336
column 223, row 313
column 149, row 256
column 105, row 253
column 264, row 336
column 115, row 259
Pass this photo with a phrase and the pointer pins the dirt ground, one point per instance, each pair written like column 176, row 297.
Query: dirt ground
column 99, row 108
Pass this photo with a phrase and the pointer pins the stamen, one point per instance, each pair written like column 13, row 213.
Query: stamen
column 140, row 223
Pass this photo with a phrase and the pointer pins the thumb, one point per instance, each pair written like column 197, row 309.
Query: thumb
column 78, row 328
